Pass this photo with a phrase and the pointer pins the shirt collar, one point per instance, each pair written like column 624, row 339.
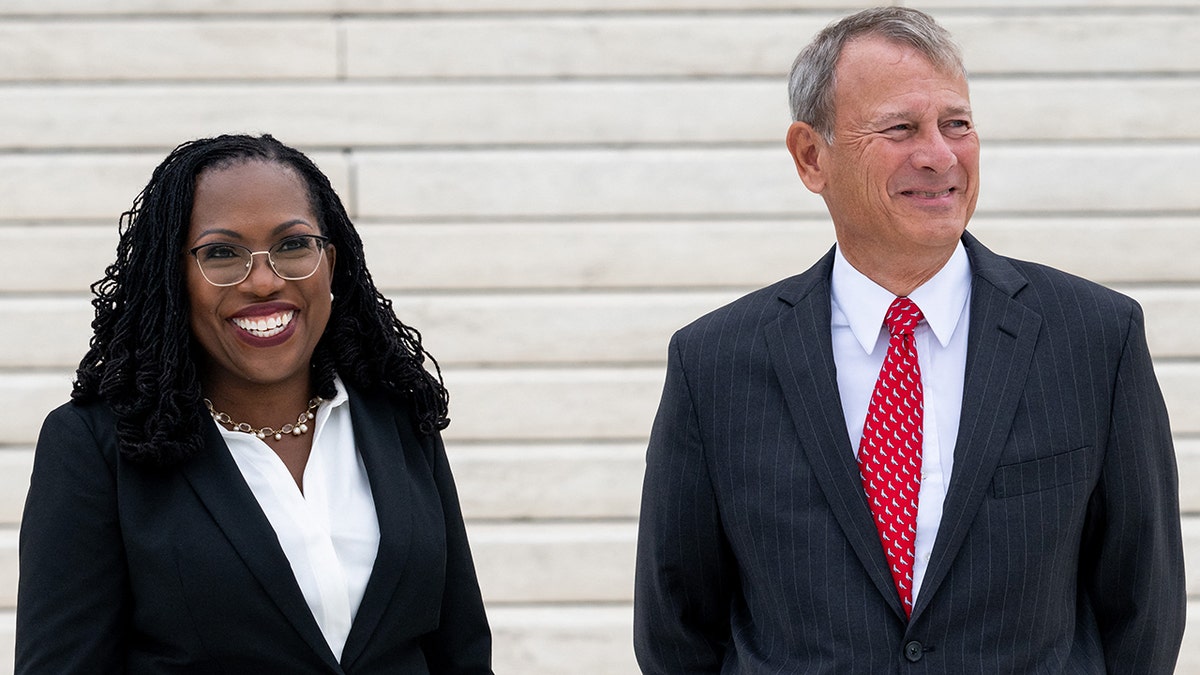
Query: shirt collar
column 862, row 303
column 342, row 397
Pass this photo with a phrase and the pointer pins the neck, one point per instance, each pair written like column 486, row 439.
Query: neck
column 900, row 273
column 257, row 404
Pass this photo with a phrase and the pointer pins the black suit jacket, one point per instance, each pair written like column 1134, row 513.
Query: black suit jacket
column 131, row 569
column 1059, row 550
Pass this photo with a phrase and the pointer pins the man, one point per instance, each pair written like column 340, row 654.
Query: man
column 917, row 456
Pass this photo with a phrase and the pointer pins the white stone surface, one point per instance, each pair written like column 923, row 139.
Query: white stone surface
column 493, row 404
column 561, row 328
column 553, row 481
column 90, row 7
column 691, row 253
column 8, row 566
column 64, row 186
column 559, row 404
column 586, row 183
column 16, row 464
column 8, row 623
column 541, row 562
column 1172, row 318
column 1187, row 456
column 60, row 258
column 733, row 182
column 562, row 638
column 153, row 49
column 380, row 114
column 1116, row 42
column 747, row 44
column 1189, row 655
column 548, row 188
column 1180, row 382
column 574, row 46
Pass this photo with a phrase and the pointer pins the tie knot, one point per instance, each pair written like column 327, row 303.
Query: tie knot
column 902, row 317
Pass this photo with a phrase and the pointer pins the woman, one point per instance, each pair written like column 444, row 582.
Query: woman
column 249, row 477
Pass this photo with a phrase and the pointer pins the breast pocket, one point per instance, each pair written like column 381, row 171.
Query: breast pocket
column 1011, row 480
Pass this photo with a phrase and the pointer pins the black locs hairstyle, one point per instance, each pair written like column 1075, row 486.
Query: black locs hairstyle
column 142, row 360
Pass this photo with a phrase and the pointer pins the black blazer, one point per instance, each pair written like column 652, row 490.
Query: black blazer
column 1059, row 550
column 130, row 569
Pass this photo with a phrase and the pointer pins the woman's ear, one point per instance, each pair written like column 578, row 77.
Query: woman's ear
column 808, row 149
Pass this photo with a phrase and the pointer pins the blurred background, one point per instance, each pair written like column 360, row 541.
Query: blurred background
column 547, row 189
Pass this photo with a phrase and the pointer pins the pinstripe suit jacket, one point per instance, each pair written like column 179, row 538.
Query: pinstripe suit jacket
column 1059, row 550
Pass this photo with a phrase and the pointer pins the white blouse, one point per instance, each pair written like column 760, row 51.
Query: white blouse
column 330, row 532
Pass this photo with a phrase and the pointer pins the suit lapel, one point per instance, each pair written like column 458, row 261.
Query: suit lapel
column 218, row 483
column 801, row 350
column 1003, row 333
column 382, row 442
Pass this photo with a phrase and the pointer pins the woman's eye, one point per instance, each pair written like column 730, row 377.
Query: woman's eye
column 295, row 244
column 218, row 252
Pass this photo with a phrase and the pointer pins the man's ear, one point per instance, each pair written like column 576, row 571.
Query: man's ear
column 808, row 150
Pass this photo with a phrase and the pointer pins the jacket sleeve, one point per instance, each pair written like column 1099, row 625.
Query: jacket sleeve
column 73, row 595
column 1132, row 559
column 682, row 590
column 462, row 644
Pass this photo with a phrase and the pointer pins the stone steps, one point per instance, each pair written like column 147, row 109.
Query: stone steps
column 579, row 179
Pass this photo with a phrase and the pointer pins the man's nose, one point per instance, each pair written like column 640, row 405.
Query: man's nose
column 933, row 152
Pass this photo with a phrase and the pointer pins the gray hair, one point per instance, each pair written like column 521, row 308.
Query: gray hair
column 811, row 83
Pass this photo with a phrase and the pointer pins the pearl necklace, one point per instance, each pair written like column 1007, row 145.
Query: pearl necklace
column 300, row 427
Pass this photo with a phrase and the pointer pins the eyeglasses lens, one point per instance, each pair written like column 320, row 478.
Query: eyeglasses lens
column 293, row 259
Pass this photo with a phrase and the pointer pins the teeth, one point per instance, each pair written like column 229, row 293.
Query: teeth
column 266, row 326
column 929, row 195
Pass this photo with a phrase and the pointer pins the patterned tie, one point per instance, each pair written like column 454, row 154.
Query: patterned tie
column 889, row 454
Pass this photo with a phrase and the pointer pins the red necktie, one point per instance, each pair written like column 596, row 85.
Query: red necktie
column 889, row 454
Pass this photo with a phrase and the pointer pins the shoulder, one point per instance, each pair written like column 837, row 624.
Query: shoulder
column 76, row 450
column 1066, row 300
column 752, row 312
column 74, row 424
column 751, row 308
column 1059, row 297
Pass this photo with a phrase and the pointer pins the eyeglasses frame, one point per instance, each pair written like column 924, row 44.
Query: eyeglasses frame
column 322, row 242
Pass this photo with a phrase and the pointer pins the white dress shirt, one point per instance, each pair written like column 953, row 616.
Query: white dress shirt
column 330, row 532
column 859, row 345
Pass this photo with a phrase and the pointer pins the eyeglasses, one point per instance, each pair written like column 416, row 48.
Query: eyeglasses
column 291, row 259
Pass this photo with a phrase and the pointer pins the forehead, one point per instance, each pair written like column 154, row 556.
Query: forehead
column 252, row 185
column 877, row 76
column 247, row 176
column 248, row 198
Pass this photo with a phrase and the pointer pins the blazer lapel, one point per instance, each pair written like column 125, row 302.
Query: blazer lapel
column 1003, row 333
column 381, row 441
column 801, row 350
column 218, row 483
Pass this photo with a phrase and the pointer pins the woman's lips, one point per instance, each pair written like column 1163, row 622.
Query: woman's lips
column 265, row 326
column 267, row 330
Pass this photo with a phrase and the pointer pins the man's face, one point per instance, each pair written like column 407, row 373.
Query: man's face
column 902, row 175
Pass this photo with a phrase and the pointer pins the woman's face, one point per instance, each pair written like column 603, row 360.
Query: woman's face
column 263, row 330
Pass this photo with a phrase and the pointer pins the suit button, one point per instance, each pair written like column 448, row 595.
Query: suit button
column 913, row 651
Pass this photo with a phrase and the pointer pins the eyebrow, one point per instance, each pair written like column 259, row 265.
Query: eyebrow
column 233, row 234
column 904, row 116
